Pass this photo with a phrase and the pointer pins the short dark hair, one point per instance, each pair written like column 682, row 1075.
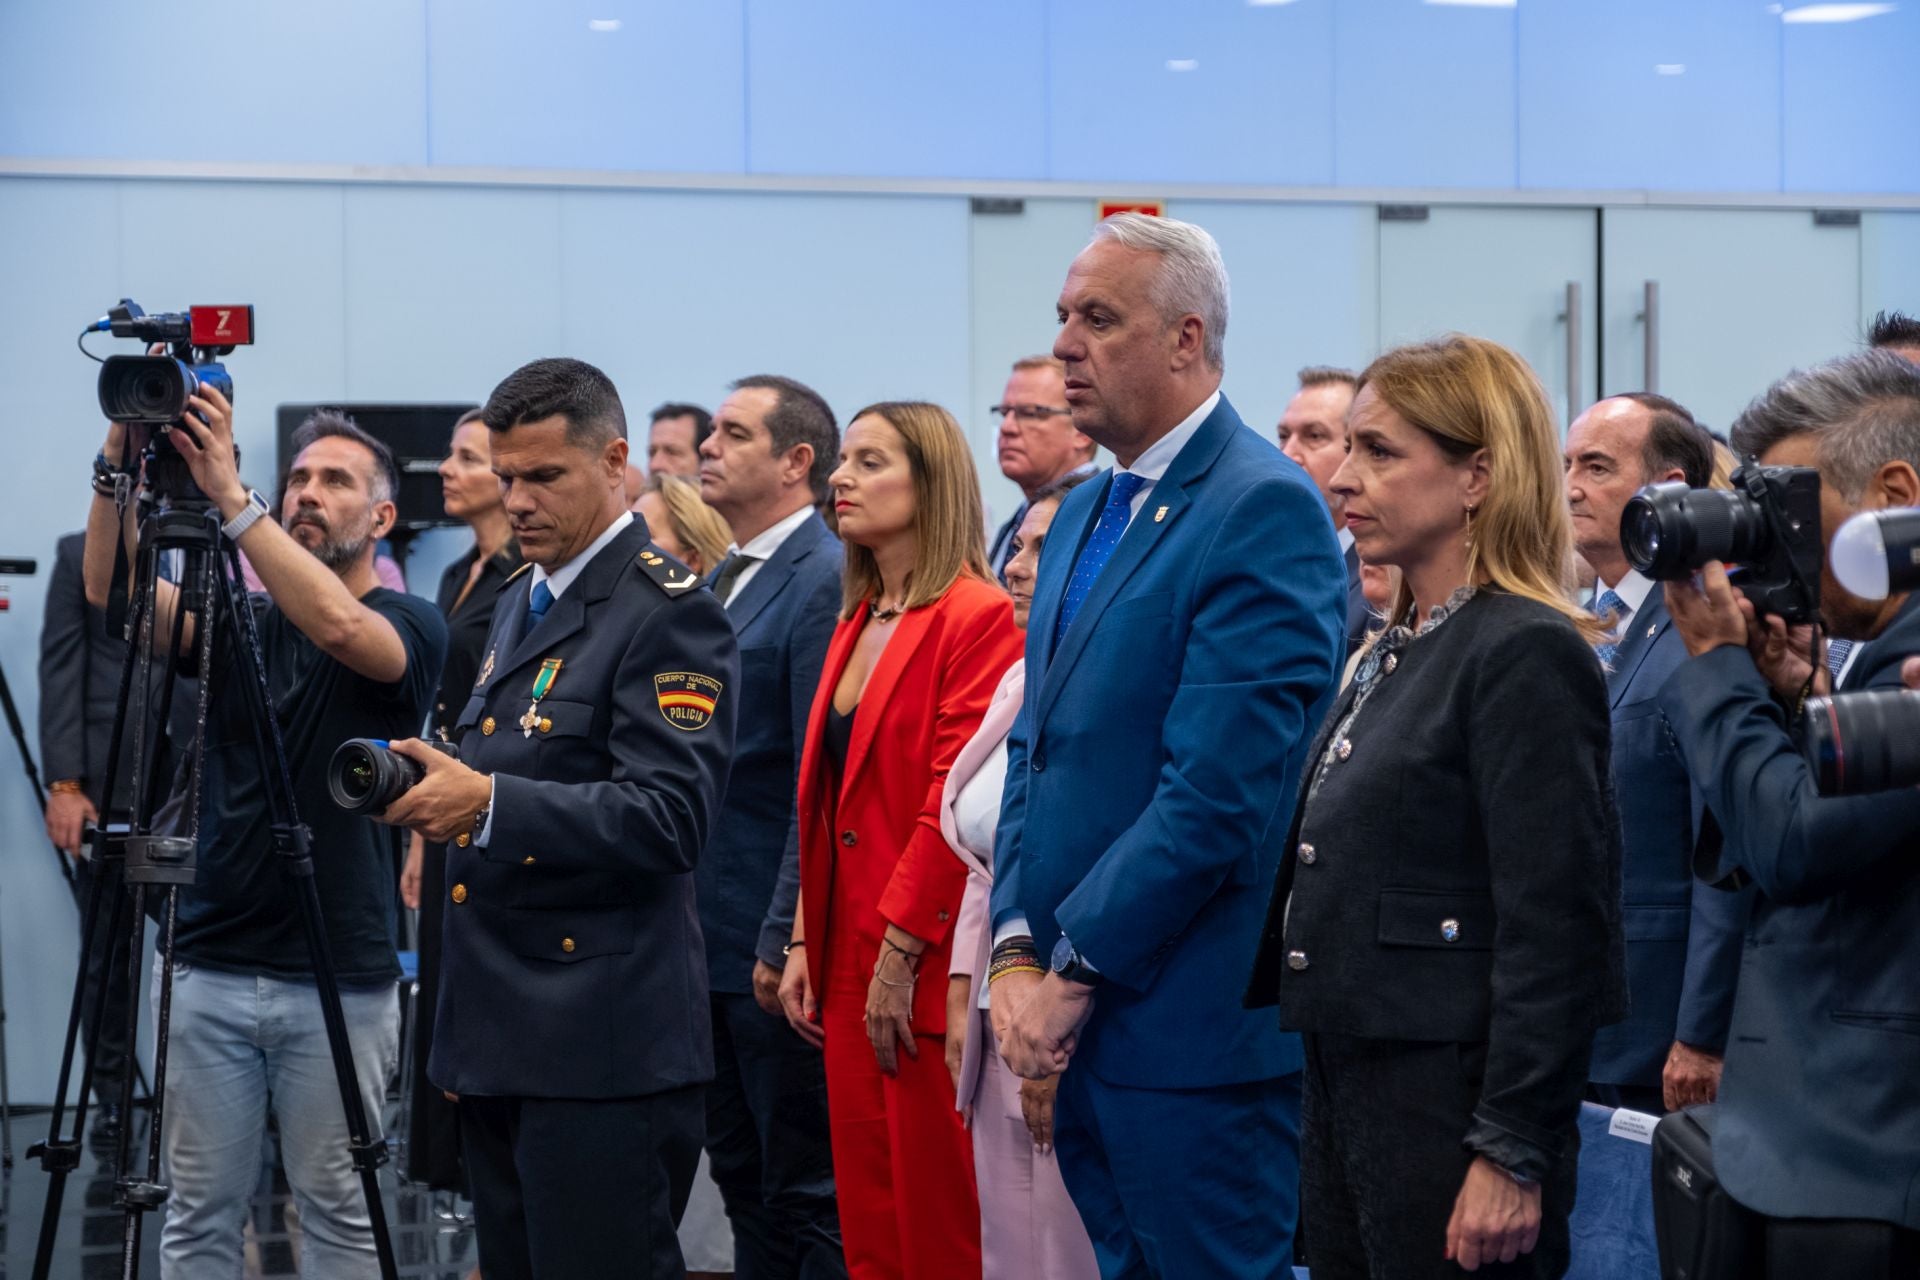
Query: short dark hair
column 572, row 389
column 1893, row 329
column 800, row 415
column 323, row 423
column 1674, row 439
column 1863, row 409
column 702, row 420
column 1062, row 487
column 1326, row 375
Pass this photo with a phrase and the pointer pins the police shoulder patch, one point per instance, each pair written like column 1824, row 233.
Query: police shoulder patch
column 687, row 698
column 667, row 573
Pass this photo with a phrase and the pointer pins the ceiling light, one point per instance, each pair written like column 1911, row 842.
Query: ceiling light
column 603, row 24
column 1836, row 12
column 1183, row 64
column 1476, row 4
column 1669, row 68
column 1266, row 4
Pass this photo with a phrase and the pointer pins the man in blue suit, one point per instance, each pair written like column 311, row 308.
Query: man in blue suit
column 1683, row 946
column 1185, row 637
column 762, row 467
column 1818, row 1122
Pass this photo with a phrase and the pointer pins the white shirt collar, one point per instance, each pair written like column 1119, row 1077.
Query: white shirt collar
column 1346, row 537
column 1153, row 463
column 560, row 579
column 1631, row 589
column 768, row 541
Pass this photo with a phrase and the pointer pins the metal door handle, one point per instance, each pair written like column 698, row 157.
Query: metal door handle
column 1650, row 316
column 1575, row 401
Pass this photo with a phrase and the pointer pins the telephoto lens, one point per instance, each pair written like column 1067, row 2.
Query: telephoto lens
column 1857, row 743
column 366, row 775
column 1877, row 553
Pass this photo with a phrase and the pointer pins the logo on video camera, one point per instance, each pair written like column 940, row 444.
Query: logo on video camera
column 687, row 699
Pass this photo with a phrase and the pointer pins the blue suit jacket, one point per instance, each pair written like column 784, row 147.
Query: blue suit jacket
column 1683, row 939
column 1159, row 748
column 1816, row 1114
column 749, row 874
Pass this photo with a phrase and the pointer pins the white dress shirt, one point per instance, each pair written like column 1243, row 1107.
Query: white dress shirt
column 762, row 548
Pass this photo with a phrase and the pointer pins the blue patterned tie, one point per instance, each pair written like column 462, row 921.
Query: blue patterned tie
column 1612, row 610
column 538, row 602
column 1837, row 651
column 1099, row 548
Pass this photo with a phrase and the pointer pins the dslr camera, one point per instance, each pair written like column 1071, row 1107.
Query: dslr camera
column 366, row 775
column 1766, row 529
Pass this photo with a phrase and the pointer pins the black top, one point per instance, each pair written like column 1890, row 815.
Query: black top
column 1455, row 866
column 839, row 736
column 467, row 628
column 241, row 915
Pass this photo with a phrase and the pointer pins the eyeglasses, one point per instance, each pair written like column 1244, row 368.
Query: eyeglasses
column 1029, row 412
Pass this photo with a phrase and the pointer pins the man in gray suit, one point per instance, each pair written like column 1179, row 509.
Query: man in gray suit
column 1683, row 945
column 762, row 467
column 1818, row 1118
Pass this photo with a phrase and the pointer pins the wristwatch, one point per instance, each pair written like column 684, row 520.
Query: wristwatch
column 1072, row 966
column 249, row 514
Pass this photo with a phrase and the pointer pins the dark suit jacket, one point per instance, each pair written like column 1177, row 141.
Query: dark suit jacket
column 573, row 961
column 749, row 875
column 1683, row 945
column 80, row 667
column 1817, row 1111
column 1149, row 769
column 1457, row 875
column 871, row 836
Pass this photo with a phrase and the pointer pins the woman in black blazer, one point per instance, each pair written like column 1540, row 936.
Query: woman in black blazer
column 1447, row 933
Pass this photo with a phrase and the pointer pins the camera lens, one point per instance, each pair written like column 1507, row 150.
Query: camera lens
column 148, row 389
column 1668, row 530
column 365, row 776
column 1863, row 742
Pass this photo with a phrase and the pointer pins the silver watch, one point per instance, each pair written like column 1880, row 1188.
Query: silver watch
column 256, row 507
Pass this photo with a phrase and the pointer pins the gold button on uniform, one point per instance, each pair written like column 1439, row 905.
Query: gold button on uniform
column 527, row 861
column 459, row 893
column 486, row 726
column 464, row 839
column 566, row 945
column 546, row 725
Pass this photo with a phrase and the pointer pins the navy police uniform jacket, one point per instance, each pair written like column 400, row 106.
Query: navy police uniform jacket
column 573, row 963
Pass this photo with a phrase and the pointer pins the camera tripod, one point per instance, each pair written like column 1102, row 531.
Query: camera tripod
column 144, row 862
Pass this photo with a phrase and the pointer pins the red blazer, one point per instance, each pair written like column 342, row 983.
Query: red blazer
column 879, row 837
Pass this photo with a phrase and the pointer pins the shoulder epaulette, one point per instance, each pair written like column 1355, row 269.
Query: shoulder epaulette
column 667, row 573
column 516, row 573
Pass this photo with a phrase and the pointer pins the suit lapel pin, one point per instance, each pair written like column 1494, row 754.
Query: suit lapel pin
column 1650, row 630
column 1160, row 515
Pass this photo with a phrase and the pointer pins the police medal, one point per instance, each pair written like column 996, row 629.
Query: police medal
column 549, row 668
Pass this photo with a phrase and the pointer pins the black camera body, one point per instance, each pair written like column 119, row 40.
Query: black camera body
column 1768, row 525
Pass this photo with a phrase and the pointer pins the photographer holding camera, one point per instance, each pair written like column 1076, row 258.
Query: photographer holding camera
column 1818, row 1122
column 344, row 656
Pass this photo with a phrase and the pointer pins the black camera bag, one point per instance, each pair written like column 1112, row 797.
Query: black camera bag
column 1703, row 1233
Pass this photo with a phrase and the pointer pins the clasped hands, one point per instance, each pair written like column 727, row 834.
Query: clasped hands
column 1037, row 1021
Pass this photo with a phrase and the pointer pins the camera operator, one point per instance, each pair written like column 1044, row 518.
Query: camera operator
column 344, row 657
column 1818, row 1125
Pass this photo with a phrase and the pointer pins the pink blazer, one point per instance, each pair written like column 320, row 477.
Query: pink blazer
column 973, row 932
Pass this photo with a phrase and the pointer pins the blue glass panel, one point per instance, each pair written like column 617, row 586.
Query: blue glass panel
column 1848, row 92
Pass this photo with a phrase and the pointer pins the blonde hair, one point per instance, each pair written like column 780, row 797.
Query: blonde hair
column 1723, row 466
column 1470, row 394
column 949, row 524
column 696, row 526
column 1054, row 363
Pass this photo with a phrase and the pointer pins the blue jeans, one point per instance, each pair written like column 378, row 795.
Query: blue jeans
column 236, row 1042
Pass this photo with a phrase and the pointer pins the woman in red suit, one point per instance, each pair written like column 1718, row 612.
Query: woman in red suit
column 924, row 637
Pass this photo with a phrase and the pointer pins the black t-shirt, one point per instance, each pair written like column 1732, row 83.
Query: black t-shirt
column 242, row 914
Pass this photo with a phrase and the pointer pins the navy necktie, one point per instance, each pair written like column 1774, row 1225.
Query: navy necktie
column 539, row 600
column 1612, row 610
column 1099, row 548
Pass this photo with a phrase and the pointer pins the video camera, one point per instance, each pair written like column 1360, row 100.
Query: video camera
column 153, row 390
column 1766, row 528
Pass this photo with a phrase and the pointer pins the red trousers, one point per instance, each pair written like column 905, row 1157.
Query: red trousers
column 902, row 1161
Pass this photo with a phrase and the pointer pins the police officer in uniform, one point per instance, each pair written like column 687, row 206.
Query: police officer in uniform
column 573, row 1023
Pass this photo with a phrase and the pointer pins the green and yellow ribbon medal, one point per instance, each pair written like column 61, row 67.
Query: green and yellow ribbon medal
column 549, row 668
